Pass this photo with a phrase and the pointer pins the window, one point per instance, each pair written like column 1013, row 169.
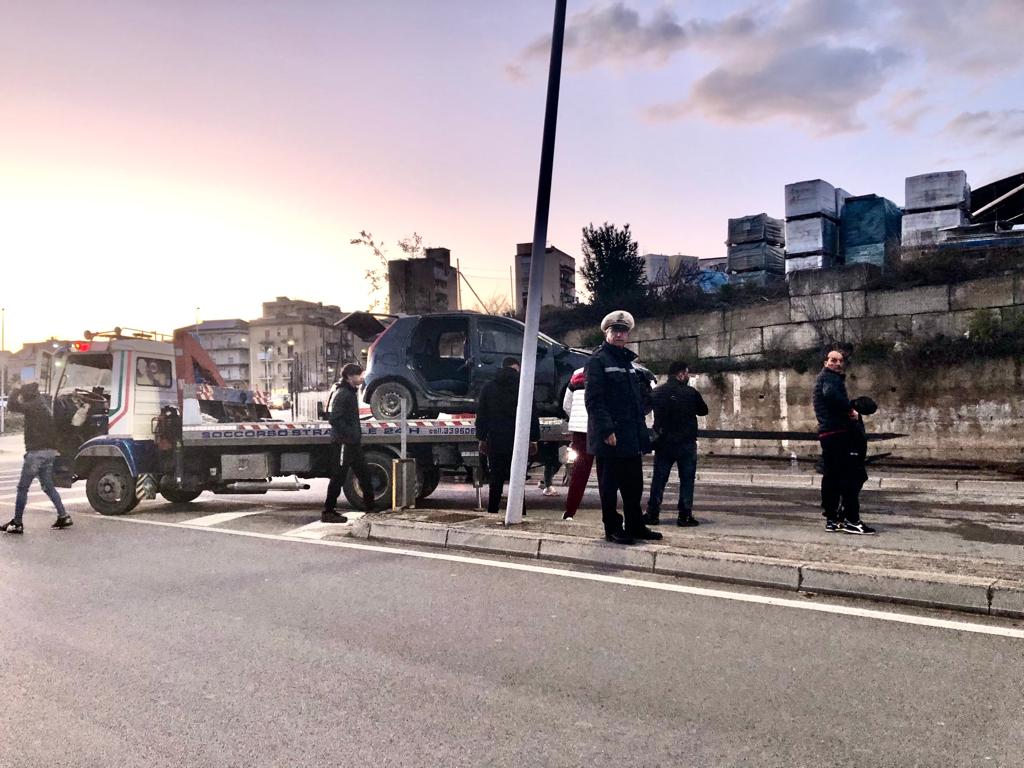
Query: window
column 452, row 344
column 266, row 334
column 500, row 340
column 153, row 372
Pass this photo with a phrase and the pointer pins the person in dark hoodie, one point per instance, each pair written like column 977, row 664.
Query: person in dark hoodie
column 617, row 397
column 348, row 437
column 40, row 453
column 841, row 441
column 676, row 408
column 496, row 427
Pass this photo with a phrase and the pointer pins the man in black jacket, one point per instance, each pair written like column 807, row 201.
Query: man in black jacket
column 40, row 452
column 347, row 450
column 676, row 408
column 496, row 427
column 617, row 397
column 842, row 469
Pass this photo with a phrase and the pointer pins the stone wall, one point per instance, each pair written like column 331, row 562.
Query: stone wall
column 971, row 413
column 824, row 305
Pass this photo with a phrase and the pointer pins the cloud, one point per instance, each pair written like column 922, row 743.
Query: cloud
column 1002, row 126
column 818, row 86
column 906, row 108
column 617, row 34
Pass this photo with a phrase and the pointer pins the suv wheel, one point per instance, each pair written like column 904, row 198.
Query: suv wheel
column 386, row 401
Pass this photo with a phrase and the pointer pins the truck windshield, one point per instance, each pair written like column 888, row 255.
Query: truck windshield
column 86, row 372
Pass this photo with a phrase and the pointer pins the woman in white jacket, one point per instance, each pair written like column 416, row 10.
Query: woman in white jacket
column 576, row 409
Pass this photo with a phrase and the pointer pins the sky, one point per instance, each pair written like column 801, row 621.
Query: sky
column 167, row 160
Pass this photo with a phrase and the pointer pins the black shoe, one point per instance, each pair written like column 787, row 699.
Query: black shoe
column 619, row 537
column 63, row 522
column 833, row 526
column 858, row 528
column 13, row 526
column 652, row 518
column 646, row 534
column 330, row 516
column 686, row 521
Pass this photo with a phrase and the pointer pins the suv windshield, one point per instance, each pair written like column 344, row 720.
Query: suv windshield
column 86, row 372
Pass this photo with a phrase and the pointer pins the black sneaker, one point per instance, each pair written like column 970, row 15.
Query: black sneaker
column 652, row 518
column 833, row 526
column 646, row 534
column 619, row 537
column 330, row 516
column 858, row 528
column 63, row 522
column 14, row 526
column 687, row 521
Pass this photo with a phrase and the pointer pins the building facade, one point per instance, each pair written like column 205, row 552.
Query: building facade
column 422, row 286
column 227, row 341
column 559, row 288
column 296, row 346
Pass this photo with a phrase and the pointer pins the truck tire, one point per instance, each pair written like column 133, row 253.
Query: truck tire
column 429, row 479
column 379, row 464
column 110, row 488
column 386, row 401
column 178, row 496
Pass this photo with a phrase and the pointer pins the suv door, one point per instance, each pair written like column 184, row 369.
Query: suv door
column 495, row 341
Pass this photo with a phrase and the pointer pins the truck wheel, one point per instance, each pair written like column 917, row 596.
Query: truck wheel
column 178, row 496
column 110, row 488
column 379, row 464
column 386, row 401
column 429, row 479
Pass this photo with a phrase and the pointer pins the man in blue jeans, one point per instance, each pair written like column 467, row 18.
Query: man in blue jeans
column 40, row 452
column 676, row 408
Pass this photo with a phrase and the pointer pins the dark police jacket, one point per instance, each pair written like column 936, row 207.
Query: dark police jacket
column 344, row 416
column 676, row 408
column 496, row 413
column 40, row 434
column 617, row 397
column 831, row 403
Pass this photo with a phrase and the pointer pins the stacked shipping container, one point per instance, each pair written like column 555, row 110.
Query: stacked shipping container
column 934, row 202
column 812, row 216
column 755, row 248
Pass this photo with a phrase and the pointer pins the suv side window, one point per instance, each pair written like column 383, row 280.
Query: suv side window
column 500, row 340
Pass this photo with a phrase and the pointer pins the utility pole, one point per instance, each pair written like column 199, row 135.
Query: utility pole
column 3, row 371
column 524, row 408
column 458, row 285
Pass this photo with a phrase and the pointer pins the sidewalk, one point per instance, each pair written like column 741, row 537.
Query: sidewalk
column 963, row 557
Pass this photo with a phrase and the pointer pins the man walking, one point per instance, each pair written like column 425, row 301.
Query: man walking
column 40, row 453
column 496, row 428
column 676, row 408
column 575, row 409
column 617, row 399
column 347, row 452
column 842, row 470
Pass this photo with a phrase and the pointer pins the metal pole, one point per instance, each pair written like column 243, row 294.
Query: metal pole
column 524, row 407
column 458, row 285
column 3, row 371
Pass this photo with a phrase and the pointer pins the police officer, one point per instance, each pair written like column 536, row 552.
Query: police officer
column 348, row 437
column 617, row 398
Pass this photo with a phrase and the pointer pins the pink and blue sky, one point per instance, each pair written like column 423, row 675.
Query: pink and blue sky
column 158, row 156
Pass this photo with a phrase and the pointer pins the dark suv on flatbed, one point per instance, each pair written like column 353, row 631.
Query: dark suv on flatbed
column 439, row 362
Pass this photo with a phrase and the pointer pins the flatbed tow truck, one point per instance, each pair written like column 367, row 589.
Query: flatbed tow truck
column 141, row 414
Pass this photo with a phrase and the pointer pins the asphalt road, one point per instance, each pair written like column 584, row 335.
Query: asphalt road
column 130, row 642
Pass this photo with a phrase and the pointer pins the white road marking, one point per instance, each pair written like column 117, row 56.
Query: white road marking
column 318, row 530
column 220, row 517
column 840, row 610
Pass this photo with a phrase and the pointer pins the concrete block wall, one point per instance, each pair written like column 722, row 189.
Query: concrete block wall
column 975, row 412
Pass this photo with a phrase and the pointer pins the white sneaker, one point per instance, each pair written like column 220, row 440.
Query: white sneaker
column 549, row 491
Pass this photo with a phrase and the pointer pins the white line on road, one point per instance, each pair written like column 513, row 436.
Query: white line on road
column 840, row 610
column 220, row 517
column 318, row 530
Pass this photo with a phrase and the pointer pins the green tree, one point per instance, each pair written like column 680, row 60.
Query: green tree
column 612, row 270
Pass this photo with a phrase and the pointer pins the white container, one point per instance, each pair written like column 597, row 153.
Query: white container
column 809, row 198
column 937, row 190
column 926, row 228
column 799, row 263
column 812, row 235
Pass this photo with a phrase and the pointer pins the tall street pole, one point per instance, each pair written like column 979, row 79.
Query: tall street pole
column 3, row 370
column 528, row 368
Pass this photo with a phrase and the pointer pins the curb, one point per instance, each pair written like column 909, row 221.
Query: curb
column 969, row 594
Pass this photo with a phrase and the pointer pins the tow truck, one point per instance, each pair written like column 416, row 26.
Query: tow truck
column 140, row 413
